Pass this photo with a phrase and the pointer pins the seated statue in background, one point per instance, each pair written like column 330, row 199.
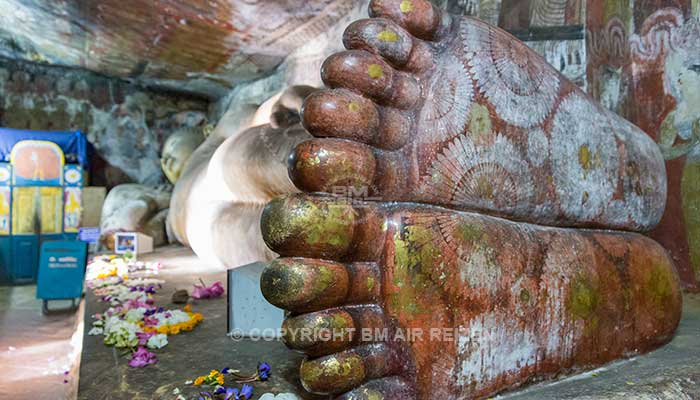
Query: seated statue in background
column 142, row 208
column 177, row 150
column 448, row 258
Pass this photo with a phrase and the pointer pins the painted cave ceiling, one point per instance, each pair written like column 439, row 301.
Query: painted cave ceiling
column 199, row 46
column 208, row 46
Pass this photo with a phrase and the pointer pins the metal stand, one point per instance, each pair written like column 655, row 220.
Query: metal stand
column 45, row 305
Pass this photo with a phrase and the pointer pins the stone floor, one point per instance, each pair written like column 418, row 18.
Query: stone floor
column 105, row 374
column 36, row 350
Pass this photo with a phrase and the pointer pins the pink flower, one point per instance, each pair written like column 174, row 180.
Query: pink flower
column 204, row 292
column 143, row 337
column 141, row 358
column 216, row 289
column 150, row 321
column 131, row 304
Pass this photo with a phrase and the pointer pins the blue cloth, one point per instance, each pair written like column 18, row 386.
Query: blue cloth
column 74, row 144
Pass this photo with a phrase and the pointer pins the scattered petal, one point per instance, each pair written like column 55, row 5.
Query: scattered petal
column 263, row 371
column 246, row 391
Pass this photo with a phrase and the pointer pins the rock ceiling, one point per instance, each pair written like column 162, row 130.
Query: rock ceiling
column 197, row 46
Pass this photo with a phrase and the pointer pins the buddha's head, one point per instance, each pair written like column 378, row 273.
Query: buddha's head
column 177, row 149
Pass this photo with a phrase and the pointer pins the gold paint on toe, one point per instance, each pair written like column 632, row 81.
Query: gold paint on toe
column 388, row 36
column 375, row 71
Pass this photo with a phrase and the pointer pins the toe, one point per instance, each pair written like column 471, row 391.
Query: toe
column 386, row 39
column 392, row 388
column 304, row 285
column 341, row 372
column 331, row 331
column 332, row 166
column 370, row 75
column 419, row 17
column 306, row 226
column 343, row 114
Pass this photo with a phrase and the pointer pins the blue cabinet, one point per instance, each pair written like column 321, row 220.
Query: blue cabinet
column 25, row 254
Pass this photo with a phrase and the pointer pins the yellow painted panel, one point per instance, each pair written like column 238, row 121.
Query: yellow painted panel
column 30, row 202
column 23, row 210
column 51, row 209
column 5, row 210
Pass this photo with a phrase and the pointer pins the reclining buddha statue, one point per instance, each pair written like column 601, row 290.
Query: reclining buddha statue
column 469, row 219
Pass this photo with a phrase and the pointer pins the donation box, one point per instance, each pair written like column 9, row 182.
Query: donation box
column 41, row 182
column 61, row 271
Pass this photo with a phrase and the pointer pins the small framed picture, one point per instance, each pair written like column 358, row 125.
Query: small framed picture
column 133, row 243
column 125, row 242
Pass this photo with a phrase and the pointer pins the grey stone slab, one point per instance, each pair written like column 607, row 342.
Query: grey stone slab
column 250, row 315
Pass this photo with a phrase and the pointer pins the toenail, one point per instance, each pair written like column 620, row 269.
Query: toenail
column 305, row 285
column 333, row 374
column 321, row 228
column 388, row 36
column 375, row 71
column 337, row 165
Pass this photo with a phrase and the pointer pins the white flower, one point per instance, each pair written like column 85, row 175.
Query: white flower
column 157, row 341
column 120, row 333
column 174, row 317
column 95, row 331
column 135, row 314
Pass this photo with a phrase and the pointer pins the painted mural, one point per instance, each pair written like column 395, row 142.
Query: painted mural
column 644, row 63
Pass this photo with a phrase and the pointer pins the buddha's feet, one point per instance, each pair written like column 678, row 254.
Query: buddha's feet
column 399, row 301
column 449, row 110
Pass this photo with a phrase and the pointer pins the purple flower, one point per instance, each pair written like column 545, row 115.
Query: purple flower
column 204, row 292
column 220, row 390
column 131, row 304
column 143, row 337
column 225, row 370
column 264, row 371
column 246, row 391
column 204, row 396
column 141, row 358
column 231, row 394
